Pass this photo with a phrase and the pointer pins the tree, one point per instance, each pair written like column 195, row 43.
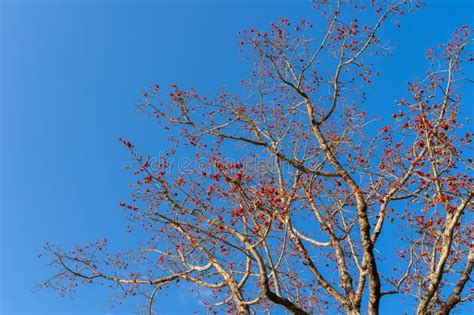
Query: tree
column 293, row 186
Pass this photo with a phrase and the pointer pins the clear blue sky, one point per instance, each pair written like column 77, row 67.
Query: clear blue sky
column 71, row 75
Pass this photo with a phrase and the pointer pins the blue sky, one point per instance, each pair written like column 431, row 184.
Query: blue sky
column 71, row 75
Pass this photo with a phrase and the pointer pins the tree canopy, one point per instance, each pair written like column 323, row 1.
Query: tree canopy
column 290, row 186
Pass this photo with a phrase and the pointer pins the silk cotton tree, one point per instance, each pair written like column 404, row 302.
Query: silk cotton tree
column 293, row 186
